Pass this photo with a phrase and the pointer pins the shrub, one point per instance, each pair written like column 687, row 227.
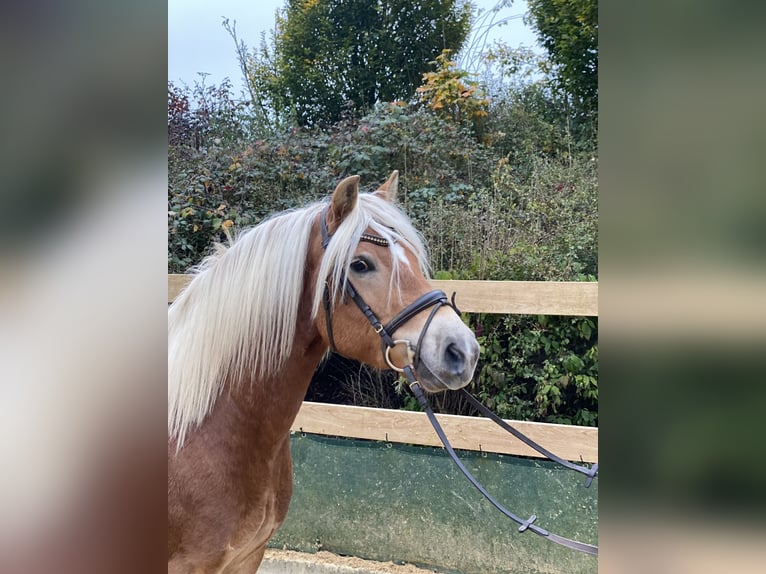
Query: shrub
column 241, row 183
column 544, row 229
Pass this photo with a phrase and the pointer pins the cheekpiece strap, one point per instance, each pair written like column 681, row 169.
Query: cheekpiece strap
column 350, row 290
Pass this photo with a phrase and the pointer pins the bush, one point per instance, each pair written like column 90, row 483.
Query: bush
column 545, row 229
column 232, row 181
column 539, row 368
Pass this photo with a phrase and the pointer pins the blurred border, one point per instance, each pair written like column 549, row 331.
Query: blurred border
column 682, row 272
column 83, row 286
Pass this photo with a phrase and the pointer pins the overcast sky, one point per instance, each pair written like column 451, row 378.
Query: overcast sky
column 197, row 42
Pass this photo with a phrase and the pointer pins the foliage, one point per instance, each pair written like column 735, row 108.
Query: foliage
column 435, row 157
column 328, row 56
column 203, row 114
column 568, row 29
column 244, row 183
column 539, row 368
column 228, row 186
column 537, row 228
column 450, row 93
column 512, row 227
column 530, row 114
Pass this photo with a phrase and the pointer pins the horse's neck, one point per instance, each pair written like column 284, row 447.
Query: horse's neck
column 263, row 409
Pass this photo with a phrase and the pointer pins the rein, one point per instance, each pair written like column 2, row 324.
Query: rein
column 435, row 300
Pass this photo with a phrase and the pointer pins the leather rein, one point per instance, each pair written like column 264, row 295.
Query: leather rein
column 435, row 300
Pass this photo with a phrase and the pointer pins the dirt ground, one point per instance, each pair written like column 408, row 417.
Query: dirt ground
column 328, row 562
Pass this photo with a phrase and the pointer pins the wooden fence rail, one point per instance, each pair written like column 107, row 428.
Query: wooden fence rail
column 506, row 297
column 470, row 433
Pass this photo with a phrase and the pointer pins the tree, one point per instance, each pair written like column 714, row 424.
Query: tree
column 331, row 55
column 568, row 29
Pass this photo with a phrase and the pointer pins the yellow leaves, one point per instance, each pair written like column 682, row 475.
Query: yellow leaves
column 234, row 166
column 204, row 219
column 428, row 78
column 449, row 92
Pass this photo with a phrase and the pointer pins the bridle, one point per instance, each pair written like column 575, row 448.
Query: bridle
column 435, row 300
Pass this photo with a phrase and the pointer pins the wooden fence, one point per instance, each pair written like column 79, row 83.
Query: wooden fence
column 471, row 433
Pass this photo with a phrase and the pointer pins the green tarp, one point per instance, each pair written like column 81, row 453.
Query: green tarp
column 401, row 503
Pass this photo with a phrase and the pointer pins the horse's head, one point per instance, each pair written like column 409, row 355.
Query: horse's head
column 372, row 301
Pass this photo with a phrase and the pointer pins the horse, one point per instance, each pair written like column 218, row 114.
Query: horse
column 245, row 337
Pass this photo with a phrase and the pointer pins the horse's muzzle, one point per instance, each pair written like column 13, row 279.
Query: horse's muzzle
column 458, row 360
column 452, row 367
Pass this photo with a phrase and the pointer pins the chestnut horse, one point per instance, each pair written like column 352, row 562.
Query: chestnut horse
column 245, row 337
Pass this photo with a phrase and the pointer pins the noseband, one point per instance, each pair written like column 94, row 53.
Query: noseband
column 436, row 299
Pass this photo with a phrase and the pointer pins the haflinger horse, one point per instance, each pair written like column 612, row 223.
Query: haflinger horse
column 245, row 337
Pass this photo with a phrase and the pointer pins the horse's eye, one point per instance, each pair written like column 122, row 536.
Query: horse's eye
column 361, row 266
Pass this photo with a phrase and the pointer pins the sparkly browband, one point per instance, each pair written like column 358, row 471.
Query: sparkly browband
column 374, row 239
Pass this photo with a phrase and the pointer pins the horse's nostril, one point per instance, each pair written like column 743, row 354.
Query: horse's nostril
column 455, row 359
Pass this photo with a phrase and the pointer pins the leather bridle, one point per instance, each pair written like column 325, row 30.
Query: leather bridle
column 436, row 299
column 433, row 299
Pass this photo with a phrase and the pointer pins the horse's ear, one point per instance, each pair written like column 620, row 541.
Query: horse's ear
column 388, row 190
column 344, row 200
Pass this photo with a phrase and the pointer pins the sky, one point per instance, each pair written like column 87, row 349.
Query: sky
column 198, row 43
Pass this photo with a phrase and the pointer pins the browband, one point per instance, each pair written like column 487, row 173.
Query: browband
column 377, row 240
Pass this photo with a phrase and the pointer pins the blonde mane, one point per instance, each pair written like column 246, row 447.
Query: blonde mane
column 236, row 319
